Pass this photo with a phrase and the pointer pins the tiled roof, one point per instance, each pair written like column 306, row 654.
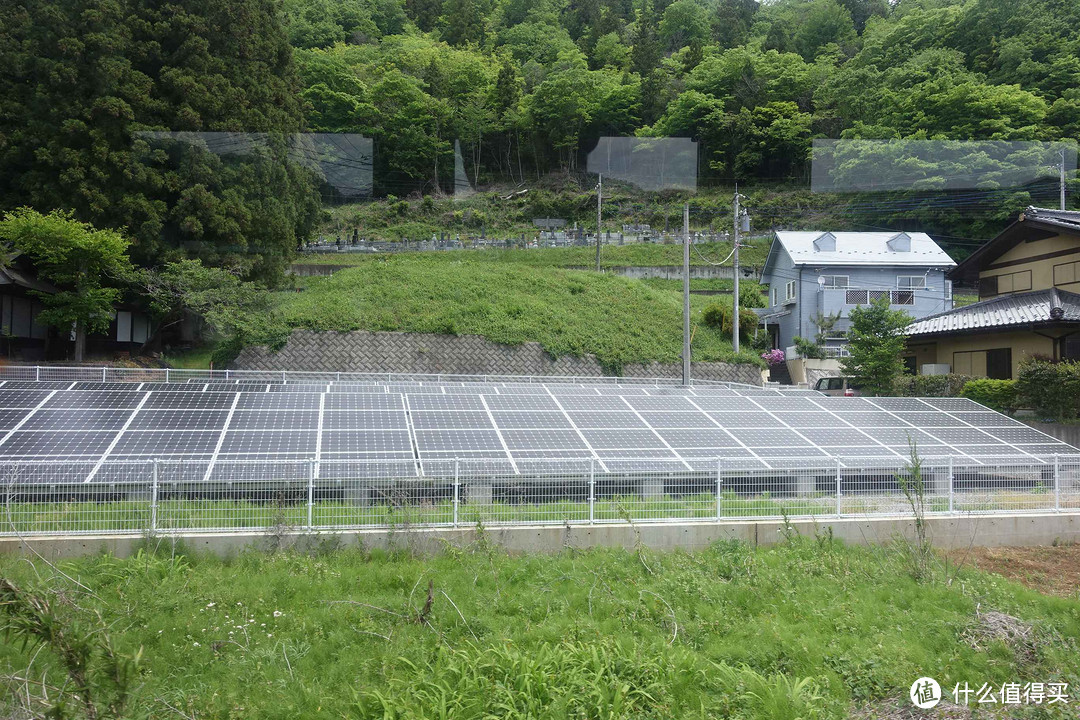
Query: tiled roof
column 1020, row 309
column 862, row 248
column 1067, row 219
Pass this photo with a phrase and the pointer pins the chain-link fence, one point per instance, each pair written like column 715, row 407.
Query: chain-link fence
column 184, row 496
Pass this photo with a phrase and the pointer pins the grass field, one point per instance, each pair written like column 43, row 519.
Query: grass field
column 805, row 629
column 636, row 254
column 568, row 312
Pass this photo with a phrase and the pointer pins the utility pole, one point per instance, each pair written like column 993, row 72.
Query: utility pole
column 1061, row 167
column 735, row 275
column 599, row 200
column 686, row 296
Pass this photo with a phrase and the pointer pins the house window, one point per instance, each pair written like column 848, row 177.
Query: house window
column 790, row 290
column 910, row 282
column 1070, row 348
column 995, row 364
column 1066, row 273
column 774, row 294
column 834, row 281
column 1004, row 284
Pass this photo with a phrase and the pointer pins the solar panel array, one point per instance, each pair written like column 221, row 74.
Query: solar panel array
column 426, row 425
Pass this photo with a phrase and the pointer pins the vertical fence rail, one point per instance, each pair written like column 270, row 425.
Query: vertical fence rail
column 1057, row 484
column 311, row 495
column 592, row 490
column 457, row 489
column 154, row 497
column 839, row 494
column 719, row 489
column 952, row 486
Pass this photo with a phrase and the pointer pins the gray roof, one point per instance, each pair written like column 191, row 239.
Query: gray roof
column 863, row 248
column 1066, row 219
column 1041, row 307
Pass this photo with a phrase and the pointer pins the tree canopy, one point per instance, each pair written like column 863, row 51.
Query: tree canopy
column 525, row 88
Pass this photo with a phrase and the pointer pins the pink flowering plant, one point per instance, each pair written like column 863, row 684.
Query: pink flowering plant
column 773, row 357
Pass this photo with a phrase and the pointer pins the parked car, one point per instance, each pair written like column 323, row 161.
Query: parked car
column 840, row 386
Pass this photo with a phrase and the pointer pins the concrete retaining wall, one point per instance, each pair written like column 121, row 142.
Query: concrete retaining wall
column 362, row 351
column 945, row 533
column 1065, row 433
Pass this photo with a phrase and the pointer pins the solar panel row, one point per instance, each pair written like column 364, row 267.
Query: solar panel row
column 431, row 424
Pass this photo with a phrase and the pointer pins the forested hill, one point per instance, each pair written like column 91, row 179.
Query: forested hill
column 525, row 86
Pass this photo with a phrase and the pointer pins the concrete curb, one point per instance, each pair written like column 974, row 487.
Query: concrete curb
column 945, row 532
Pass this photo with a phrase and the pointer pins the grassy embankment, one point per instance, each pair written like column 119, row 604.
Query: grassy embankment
column 569, row 312
column 807, row 629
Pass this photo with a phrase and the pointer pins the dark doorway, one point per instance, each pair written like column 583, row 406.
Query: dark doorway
column 999, row 364
column 910, row 365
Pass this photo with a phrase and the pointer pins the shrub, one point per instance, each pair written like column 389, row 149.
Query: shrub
column 932, row 385
column 773, row 357
column 718, row 317
column 997, row 395
column 809, row 349
column 1051, row 389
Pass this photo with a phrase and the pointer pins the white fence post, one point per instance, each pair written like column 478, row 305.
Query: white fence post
column 719, row 491
column 37, row 373
column 457, row 491
column 153, row 497
column 311, row 494
column 839, row 501
column 102, row 373
column 951, row 484
column 1057, row 485
column 166, row 374
column 592, row 490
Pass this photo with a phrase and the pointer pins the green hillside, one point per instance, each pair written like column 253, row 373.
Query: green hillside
column 569, row 312
column 638, row 254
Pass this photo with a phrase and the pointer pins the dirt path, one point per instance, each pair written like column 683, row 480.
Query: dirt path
column 1050, row 570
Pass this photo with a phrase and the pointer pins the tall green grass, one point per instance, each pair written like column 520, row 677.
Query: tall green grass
column 805, row 629
column 568, row 312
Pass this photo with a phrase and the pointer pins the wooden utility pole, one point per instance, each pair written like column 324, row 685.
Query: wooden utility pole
column 599, row 200
column 686, row 296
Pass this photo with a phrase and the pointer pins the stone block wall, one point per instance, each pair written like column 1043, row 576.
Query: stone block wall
column 393, row 352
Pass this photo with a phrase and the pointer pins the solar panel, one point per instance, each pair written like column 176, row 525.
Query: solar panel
column 91, row 400
column 424, row 426
column 77, row 420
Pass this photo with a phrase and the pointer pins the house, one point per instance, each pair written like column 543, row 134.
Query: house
column 24, row 337
column 1029, row 301
column 813, row 275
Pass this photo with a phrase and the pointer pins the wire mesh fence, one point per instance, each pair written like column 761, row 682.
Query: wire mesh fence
column 186, row 496
column 51, row 373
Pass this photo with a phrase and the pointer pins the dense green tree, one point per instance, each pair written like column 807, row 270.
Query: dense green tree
column 227, row 305
column 647, row 50
column 875, row 345
column 88, row 266
column 82, row 81
column 684, row 22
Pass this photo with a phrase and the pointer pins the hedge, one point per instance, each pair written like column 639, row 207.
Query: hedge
column 997, row 395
